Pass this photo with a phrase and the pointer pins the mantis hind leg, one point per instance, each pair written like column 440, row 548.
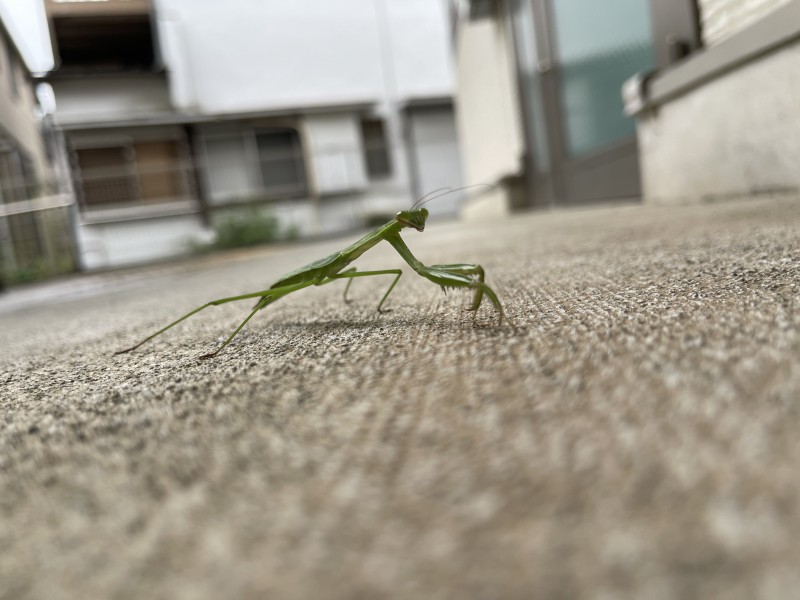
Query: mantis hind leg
column 266, row 297
column 351, row 274
column 259, row 305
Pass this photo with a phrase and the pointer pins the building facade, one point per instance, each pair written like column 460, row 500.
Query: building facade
column 35, row 212
column 540, row 110
column 566, row 102
column 720, row 117
column 179, row 115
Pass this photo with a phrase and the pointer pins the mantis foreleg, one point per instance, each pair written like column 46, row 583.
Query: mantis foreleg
column 451, row 276
column 470, row 270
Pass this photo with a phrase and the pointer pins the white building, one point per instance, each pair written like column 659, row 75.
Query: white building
column 178, row 113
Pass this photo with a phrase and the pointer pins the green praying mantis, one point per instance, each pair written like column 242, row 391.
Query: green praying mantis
column 332, row 268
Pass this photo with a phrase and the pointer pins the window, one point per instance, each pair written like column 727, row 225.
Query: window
column 136, row 173
column 481, row 9
column 11, row 71
column 230, row 176
column 105, row 176
column 159, row 171
column 281, row 162
column 376, row 151
column 254, row 163
column 109, row 43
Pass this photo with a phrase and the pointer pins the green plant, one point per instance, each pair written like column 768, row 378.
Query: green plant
column 251, row 227
column 247, row 230
column 36, row 269
column 30, row 271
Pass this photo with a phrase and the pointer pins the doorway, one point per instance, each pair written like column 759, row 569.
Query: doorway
column 573, row 57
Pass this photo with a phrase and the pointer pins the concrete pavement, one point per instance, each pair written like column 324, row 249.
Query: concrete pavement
column 638, row 437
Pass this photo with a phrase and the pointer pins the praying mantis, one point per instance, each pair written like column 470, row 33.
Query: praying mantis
column 331, row 268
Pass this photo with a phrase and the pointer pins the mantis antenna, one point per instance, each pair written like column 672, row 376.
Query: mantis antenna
column 429, row 194
column 444, row 191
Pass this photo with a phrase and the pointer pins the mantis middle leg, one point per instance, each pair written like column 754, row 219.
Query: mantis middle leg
column 351, row 274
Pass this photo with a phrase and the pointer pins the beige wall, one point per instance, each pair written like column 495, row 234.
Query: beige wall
column 722, row 18
column 735, row 136
column 97, row 99
column 18, row 120
column 92, row 7
column 487, row 109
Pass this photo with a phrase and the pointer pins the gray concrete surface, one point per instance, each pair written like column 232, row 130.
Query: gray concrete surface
column 638, row 438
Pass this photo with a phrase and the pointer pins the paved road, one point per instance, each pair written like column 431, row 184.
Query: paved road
column 638, row 438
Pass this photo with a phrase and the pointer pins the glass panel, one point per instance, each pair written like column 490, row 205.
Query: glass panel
column 230, row 175
column 106, row 177
column 525, row 39
column 600, row 45
column 375, row 150
column 160, row 174
column 281, row 158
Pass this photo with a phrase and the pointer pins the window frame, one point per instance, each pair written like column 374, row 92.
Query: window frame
column 131, row 171
column 254, row 186
column 381, row 150
column 301, row 188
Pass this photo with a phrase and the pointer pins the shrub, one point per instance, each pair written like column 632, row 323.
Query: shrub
column 246, row 230
column 249, row 228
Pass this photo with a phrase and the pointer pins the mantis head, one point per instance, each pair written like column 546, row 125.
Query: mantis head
column 413, row 218
column 417, row 215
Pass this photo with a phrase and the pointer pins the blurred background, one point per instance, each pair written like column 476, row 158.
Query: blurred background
column 135, row 131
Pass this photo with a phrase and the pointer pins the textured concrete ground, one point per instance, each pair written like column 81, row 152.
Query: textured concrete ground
column 638, row 438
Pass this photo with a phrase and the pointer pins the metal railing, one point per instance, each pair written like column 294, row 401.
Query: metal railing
column 227, row 179
column 36, row 236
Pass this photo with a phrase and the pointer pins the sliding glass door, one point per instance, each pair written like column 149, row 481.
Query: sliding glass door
column 573, row 57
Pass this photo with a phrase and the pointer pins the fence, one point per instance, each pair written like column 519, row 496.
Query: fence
column 229, row 170
column 36, row 239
